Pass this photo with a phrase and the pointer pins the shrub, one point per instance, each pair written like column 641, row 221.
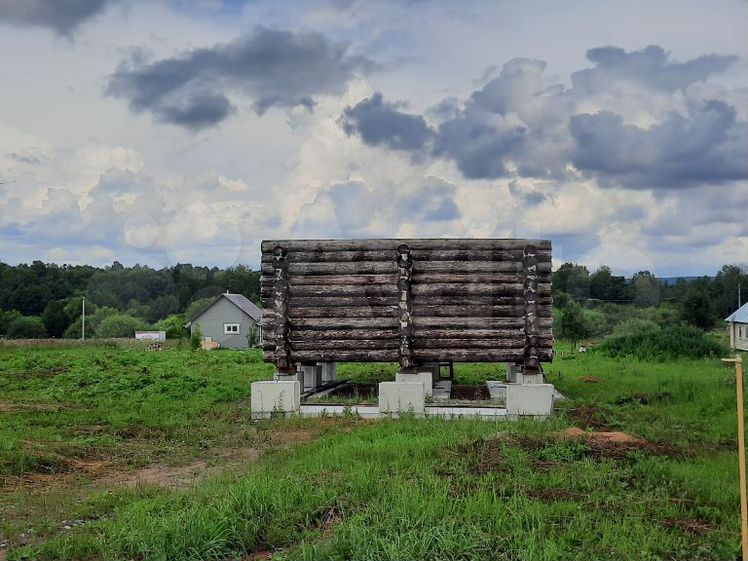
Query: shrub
column 573, row 325
column 596, row 322
column 119, row 325
column 26, row 327
column 196, row 338
column 667, row 343
column 174, row 327
column 633, row 326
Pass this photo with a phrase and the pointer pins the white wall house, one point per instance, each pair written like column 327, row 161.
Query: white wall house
column 228, row 321
column 737, row 325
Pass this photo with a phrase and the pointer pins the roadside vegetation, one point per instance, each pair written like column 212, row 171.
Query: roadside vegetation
column 119, row 453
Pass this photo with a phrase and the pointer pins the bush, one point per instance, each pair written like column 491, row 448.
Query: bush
column 119, row 325
column 667, row 343
column 196, row 338
column 26, row 327
column 596, row 322
column 633, row 326
column 174, row 327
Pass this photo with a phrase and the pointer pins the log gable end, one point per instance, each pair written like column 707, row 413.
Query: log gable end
column 408, row 301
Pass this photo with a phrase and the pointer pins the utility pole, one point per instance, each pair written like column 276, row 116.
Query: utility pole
column 83, row 319
column 739, row 302
column 738, row 362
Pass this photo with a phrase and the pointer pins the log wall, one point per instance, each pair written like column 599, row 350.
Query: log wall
column 407, row 300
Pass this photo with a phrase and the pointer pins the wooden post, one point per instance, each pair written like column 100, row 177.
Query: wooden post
column 405, row 304
column 741, row 459
column 738, row 360
column 530, row 287
column 280, row 308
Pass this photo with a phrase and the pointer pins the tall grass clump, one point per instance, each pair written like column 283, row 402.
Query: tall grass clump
column 661, row 344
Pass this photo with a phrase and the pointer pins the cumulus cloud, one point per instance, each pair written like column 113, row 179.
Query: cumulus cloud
column 650, row 66
column 521, row 125
column 385, row 209
column 61, row 15
column 274, row 68
column 381, row 123
column 707, row 146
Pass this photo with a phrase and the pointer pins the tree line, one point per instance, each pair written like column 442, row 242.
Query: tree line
column 601, row 303
column 45, row 300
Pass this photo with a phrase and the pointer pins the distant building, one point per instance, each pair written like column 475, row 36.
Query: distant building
column 150, row 335
column 229, row 320
column 738, row 327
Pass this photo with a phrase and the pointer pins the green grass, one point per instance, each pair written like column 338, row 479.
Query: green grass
column 408, row 489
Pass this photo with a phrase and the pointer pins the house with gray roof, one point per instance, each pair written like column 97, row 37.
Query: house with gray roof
column 231, row 320
column 737, row 324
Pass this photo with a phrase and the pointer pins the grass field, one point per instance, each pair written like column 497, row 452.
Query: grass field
column 112, row 453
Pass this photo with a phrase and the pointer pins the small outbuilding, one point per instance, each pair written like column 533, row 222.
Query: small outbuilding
column 738, row 327
column 231, row 320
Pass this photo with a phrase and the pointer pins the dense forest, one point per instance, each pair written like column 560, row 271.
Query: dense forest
column 44, row 300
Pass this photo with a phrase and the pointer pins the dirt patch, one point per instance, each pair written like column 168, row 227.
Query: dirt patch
column 15, row 407
column 259, row 555
column 353, row 390
column 590, row 416
column 487, row 455
column 617, row 445
column 590, row 379
column 140, row 432
column 470, row 392
column 689, row 525
column 181, row 476
column 644, row 398
column 293, row 436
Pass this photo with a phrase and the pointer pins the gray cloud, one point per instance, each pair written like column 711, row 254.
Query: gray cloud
column 518, row 125
column 708, row 146
column 272, row 67
column 382, row 124
column 61, row 15
column 650, row 67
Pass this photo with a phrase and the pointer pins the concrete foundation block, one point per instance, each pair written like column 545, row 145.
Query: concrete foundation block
column 516, row 374
column 295, row 376
column 425, row 377
column 402, row 397
column 535, row 400
column 312, row 376
column 280, row 397
column 329, row 371
column 432, row 367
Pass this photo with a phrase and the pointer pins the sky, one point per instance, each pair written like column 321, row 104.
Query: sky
column 170, row 131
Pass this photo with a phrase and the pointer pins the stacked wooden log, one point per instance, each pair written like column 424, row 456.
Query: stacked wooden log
column 407, row 300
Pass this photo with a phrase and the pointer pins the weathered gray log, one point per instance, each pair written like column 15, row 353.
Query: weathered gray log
column 301, row 324
column 338, row 334
column 435, row 300
column 326, row 355
column 515, row 342
column 344, row 344
column 343, row 311
column 423, row 355
column 377, row 267
column 431, row 277
column 382, row 278
column 417, row 255
column 491, row 334
column 436, row 289
column 414, row 244
column 364, row 311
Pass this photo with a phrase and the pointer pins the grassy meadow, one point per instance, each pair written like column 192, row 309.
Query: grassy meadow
column 118, row 453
